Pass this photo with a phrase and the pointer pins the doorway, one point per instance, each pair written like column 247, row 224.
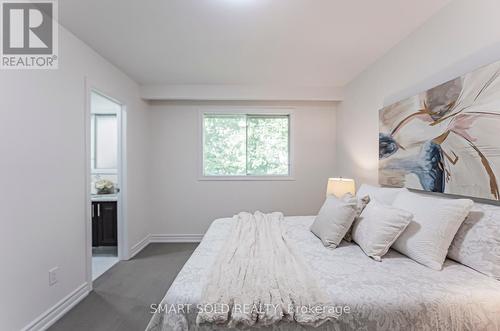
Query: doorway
column 105, row 181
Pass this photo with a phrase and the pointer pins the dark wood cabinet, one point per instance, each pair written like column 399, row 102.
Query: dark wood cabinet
column 104, row 224
column 95, row 239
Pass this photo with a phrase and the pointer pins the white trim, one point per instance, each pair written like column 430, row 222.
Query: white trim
column 139, row 246
column 49, row 317
column 175, row 238
column 87, row 195
column 104, row 171
column 52, row 315
column 123, row 248
column 122, row 231
column 122, row 226
column 245, row 178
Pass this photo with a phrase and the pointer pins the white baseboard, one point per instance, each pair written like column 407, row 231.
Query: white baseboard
column 164, row 238
column 45, row 320
column 48, row 318
column 175, row 238
column 139, row 246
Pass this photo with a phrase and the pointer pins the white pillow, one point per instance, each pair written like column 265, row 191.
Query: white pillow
column 385, row 195
column 430, row 233
column 378, row 227
column 477, row 242
column 334, row 219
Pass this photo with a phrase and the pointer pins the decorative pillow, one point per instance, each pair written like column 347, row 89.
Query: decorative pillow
column 477, row 242
column 378, row 227
column 385, row 195
column 334, row 219
column 361, row 204
column 430, row 233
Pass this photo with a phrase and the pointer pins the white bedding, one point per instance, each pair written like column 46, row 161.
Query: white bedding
column 395, row 294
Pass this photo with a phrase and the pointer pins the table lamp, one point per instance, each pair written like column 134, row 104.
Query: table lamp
column 340, row 186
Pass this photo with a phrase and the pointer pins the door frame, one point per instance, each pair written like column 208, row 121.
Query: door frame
column 122, row 232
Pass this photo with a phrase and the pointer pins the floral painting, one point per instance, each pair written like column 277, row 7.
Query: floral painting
column 446, row 139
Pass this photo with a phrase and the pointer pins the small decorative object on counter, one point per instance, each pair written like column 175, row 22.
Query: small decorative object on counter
column 104, row 186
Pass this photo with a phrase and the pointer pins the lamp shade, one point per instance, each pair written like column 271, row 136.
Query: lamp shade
column 340, row 186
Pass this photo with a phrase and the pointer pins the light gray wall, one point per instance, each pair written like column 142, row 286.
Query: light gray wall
column 181, row 204
column 461, row 37
column 42, row 146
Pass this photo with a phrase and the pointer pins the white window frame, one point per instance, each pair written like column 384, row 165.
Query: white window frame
column 94, row 170
column 227, row 110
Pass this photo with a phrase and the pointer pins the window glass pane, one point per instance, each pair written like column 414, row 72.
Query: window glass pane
column 267, row 145
column 106, row 137
column 224, row 150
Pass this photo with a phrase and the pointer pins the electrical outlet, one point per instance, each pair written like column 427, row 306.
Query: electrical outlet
column 53, row 276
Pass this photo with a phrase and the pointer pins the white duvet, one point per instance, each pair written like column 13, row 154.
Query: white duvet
column 395, row 294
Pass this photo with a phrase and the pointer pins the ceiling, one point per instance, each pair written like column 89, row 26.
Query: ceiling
column 246, row 42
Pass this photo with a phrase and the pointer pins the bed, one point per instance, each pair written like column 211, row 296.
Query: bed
column 395, row 294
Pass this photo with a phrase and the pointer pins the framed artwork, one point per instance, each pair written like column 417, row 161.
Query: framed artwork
column 446, row 139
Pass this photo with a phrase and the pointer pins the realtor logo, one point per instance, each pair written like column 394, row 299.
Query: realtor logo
column 29, row 34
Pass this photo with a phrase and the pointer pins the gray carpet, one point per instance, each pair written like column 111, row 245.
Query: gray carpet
column 122, row 296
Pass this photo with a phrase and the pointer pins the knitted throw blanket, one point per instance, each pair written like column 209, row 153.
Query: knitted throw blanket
column 259, row 279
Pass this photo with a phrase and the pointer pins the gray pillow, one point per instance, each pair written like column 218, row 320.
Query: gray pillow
column 361, row 204
column 477, row 242
column 334, row 220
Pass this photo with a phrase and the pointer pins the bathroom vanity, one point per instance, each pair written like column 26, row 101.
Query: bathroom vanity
column 104, row 220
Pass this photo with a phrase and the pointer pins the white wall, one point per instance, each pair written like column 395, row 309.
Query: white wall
column 42, row 158
column 462, row 36
column 181, row 204
column 42, row 165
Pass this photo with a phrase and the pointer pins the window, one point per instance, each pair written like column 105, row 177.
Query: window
column 246, row 145
column 104, row 140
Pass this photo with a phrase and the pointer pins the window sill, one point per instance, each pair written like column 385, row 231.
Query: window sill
column 246, row 178
column 104, row 171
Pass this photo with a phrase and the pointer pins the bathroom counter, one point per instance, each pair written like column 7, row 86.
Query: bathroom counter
column 103, row 197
